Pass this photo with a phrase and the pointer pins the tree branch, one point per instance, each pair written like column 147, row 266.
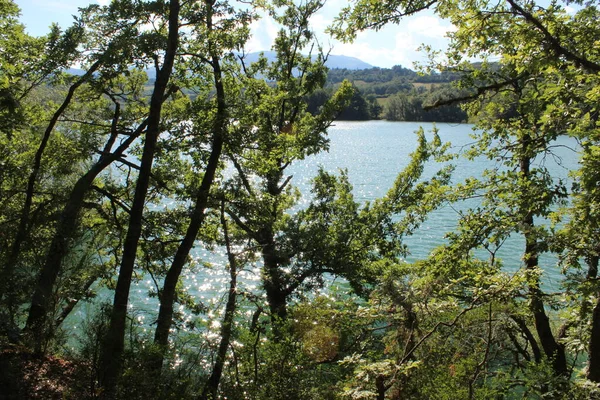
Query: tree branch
column 553, row 41
column 496, row 86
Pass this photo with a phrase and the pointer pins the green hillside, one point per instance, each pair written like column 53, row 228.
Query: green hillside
column 395, row 94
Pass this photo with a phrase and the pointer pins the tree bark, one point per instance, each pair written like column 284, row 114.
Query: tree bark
column 593, row 370
column 273, row 279
column 212, row 385
column 273, row 283
column 167, row 295
column 112, row 351
column 7, row 283
column 553, row 350
column 537, row 354
column 41, row 303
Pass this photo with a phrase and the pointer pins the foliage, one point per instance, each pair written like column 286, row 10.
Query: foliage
column 104, row 177
column 404, row 94
column 416, row 106
column 514, row 95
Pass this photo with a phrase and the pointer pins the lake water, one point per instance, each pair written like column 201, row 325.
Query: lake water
column 374, row 152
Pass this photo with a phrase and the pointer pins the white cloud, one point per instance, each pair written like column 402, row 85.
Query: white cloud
column 399, row 44
column 264, row 31
column 405, row 41
column 395, row 44
column 262, row 34
column 429, row 26
column 570, row 10
column 320, row 22
column 377, row 55
column 392, row 45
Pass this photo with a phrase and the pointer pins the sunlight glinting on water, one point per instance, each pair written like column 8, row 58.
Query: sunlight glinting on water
column 373, row 152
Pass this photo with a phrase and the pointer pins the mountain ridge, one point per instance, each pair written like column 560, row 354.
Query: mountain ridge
column 334, row 61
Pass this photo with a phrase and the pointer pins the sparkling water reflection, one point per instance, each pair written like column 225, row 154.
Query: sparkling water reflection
column 373, row 152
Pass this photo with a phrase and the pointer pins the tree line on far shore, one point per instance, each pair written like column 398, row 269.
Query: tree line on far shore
column 394, row 94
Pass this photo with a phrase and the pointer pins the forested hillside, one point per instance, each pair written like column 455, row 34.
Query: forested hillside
column 395, row 94
column 154, row 243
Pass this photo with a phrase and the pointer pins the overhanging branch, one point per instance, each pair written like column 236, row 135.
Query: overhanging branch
column 553, row 41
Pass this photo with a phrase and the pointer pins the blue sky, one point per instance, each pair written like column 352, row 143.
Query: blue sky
column 393, row 45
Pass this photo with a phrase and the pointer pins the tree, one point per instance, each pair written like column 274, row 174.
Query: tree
column 283, row 134
column 278, row 131
column 26, row 64
column 105, row 80
column 357, row 110
column 403, row 107
column 212, row 385
column 416, row 106
column 224, row 35
column 453, row 324
column 517, row 100
column 577, row 243
column 114, row 341
column 375, row 108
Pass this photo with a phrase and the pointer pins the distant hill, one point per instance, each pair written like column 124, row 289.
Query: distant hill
column 395, row 93
column 333, row 61
column 75, row 71
column 336, row 61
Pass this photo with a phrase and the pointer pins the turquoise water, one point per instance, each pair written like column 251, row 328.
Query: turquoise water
column 373, row 152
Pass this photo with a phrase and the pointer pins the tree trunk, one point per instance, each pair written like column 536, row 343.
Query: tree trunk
column 41, row 303
column 537, row 354
column 212, row 386
column 381, row 387
column 273, row 282
column 7, row 284
column 112, row 351
column 167, row 295
column 593, row 370
column 277, row 306
column 553, row 350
